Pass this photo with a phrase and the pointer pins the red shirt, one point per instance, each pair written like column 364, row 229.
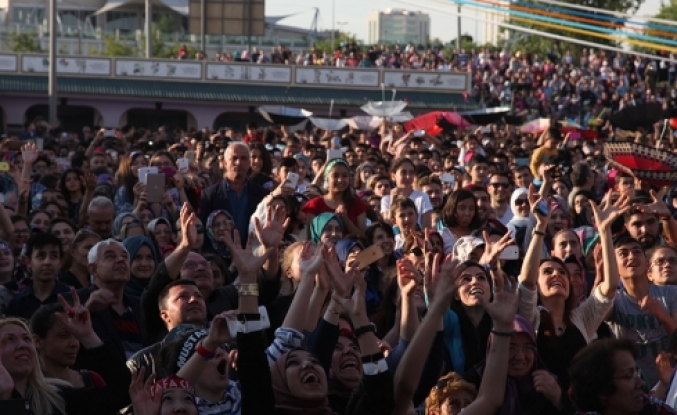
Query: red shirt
column 317, row 205
column 248, row 138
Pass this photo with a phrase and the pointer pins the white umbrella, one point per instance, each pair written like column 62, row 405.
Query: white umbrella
column 364, row 122
column 329, row 124
column 383, row 108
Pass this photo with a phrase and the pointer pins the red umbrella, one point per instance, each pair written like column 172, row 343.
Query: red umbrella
column 434, row 122
column 636, row 156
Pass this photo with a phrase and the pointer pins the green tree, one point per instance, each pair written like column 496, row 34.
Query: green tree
column 541, row 45
column 166, row 24
column 24, row 43
column 324, row 45
column 115, row 47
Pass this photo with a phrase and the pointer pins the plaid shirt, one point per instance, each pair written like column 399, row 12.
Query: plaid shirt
column 652, row 406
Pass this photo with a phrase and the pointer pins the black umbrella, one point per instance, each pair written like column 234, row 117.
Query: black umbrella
column 639, row 116
column 280, row 115
column 486, row 116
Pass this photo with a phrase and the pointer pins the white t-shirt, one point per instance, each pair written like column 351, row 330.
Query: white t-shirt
column 421, row 200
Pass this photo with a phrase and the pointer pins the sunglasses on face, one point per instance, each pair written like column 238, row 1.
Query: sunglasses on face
column 200, row 229
column 416, row 251
column 520, row 202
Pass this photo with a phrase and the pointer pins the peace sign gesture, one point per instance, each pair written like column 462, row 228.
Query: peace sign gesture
column 78, row 322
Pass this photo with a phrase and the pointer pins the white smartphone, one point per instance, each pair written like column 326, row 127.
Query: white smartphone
column 262, row 324
column 510, row 253
column 448, row 178
column 109, row 133
column 40, row 144
column 183, row 164
column 419, row 133
column 334, row 154
column 292, row 180
column 145, row 171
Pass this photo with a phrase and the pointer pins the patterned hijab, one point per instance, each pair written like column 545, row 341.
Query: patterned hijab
column 218, row 246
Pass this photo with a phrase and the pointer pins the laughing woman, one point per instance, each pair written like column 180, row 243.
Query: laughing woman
column 564, row 326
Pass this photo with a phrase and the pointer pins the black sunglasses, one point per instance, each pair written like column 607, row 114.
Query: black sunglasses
column 200, row 229
column 416, row 251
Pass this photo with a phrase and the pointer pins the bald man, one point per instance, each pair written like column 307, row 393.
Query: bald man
column 235, row 194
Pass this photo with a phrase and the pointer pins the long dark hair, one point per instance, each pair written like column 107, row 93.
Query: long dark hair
column 547, row 327
column 449, row 209
column 125, row 177
column 267, row 167
column 62, row 182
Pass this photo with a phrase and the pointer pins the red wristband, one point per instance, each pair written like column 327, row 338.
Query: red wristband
column 204, row 352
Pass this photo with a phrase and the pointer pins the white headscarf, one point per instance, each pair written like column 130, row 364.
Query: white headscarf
column 517, row 220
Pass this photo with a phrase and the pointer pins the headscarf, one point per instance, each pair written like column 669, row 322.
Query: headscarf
column 288, row 403
column 333, row 163
column 171, row 382
column 344, row 246
column 117, row 223
column 320, row 222
column 518, row 221
column 218, row 246
column 522, row 388
column 464, row 247
column 153, row 224
column 135, row 285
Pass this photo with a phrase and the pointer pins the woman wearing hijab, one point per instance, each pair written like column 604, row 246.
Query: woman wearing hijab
column 219, row 224
column 121, row 220
column 160, row 232
column 530, row 388
column 521, row 216
column 143, row 261
column 326, row 227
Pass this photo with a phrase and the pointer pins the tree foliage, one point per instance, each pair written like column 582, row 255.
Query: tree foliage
column 114, row 47
column 24, row 43
column 530, row 43
column 324, row 45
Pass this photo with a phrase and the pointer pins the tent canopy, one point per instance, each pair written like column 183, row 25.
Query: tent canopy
column 179, row 6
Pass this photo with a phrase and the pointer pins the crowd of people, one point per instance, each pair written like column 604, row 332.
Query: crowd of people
column 265, row 271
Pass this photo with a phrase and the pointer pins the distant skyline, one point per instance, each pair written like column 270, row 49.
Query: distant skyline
column 355, row 14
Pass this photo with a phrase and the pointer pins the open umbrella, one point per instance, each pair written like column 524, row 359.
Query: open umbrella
column 436, row 122
column 485, row 116
column 640, row 157
column 281, row 115
column 639, row 116
column 364, row 122
column 536, row 126
column 385, row 109
column 329, row 124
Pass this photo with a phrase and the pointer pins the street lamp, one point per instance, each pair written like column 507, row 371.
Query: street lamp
column 341, row 24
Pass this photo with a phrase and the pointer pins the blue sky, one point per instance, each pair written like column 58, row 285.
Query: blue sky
column 355, row 12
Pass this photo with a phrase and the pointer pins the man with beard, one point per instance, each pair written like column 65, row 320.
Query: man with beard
column 499, row 189
column 236, row 194
column 642, row 312
column 642, row 222
column 484, row 211
column 44, row 253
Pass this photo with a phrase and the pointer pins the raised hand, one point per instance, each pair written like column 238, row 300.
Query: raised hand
column 247, row 263
column 29, row 153
column 218, row 331
column 534, row 200
column 141, row 395
column 503, row 307
column 339, row 279
column 656, row 207
column 443, row 284
column 188, row 230
column 356, row 305
column 606, row 216
column 90, row 182
column 311, row 264
column 408, row 277
column 137, row 189
column 439, row 272
column 492, row 250
column 77, row 321
column 272, row 231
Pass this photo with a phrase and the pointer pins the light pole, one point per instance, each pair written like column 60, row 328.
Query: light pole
column 51, row 89
column 149, row 20
column 333, row 22
column 340, row 25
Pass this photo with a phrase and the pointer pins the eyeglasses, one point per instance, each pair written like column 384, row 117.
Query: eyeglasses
column 416, row 251
column 520, row 202
column 665, row 261
column 633, row 375
column 525, row 350
column 501, row 185
column 192, row 265
column 200, row 229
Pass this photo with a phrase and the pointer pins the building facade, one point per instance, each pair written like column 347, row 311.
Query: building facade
column 398, row 26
